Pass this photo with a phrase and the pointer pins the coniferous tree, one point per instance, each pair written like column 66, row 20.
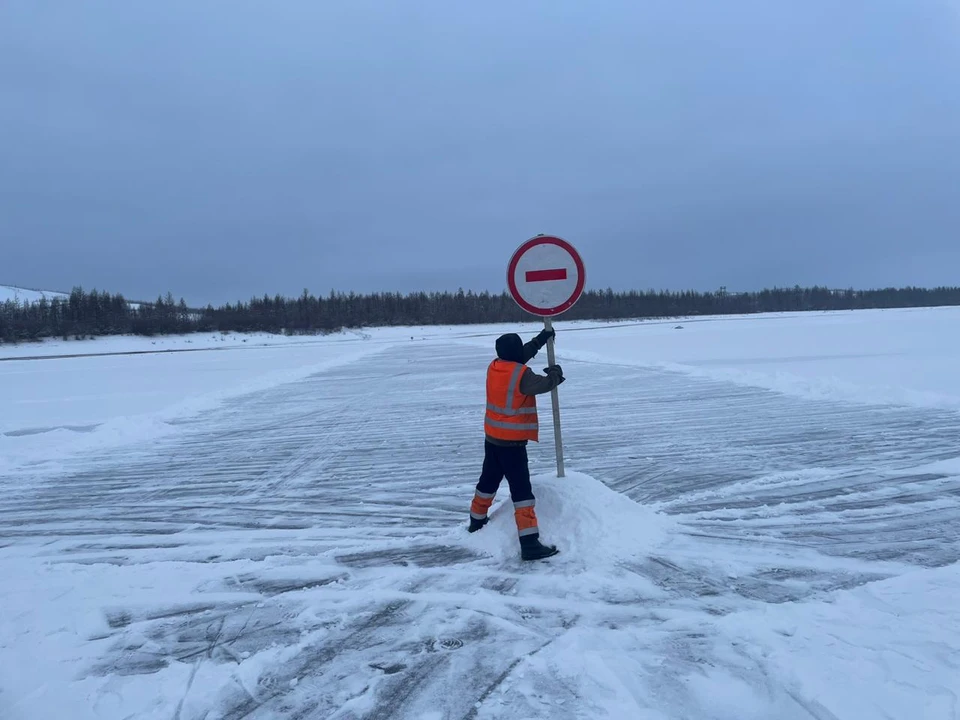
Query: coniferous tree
column 99, row 313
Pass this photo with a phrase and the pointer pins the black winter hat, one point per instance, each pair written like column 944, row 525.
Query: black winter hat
column 510, row 347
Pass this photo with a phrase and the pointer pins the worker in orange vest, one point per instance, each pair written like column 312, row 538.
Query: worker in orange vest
column 510, row 422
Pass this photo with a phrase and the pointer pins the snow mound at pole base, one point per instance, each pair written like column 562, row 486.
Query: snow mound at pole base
column 592, row 525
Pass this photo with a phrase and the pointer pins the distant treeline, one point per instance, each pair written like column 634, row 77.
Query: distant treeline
column 85, row 314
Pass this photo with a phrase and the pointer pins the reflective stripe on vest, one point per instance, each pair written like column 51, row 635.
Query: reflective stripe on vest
column 509, row 411
column 512, row 425
column 510, row 415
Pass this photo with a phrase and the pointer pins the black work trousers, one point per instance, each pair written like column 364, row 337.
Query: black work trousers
column 508, row 461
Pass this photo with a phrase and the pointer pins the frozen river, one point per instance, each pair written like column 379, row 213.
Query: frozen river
column 728, row 549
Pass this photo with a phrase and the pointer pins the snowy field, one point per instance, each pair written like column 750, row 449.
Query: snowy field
column 761, row 520
column 22, row 295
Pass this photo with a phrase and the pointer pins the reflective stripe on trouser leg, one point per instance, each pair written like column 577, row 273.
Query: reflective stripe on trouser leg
column 481, row 505
column 526, row 518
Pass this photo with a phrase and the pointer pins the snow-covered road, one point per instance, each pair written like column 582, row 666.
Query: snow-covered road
column 300, row 552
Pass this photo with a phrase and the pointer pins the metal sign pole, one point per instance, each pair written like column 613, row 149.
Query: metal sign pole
column 546, row 276
column 555, row 398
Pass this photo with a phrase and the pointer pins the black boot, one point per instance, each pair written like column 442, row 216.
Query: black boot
column 532, row 549
column 477, row 524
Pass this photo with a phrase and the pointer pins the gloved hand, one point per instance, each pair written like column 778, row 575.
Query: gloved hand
column 545, row 335
column 555, row 371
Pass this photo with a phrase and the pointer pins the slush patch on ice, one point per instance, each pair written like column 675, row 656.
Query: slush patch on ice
column 591, row 524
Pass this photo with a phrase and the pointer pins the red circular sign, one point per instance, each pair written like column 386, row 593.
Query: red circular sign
column 546, row 276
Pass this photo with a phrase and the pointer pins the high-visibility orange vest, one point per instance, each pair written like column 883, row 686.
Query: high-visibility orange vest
column 511, row 415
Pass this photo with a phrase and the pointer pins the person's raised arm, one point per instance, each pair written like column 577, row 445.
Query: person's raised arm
column 531, row 348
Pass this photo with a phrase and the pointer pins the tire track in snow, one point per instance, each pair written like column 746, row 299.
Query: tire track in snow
column 326, row 500
column 751, row 464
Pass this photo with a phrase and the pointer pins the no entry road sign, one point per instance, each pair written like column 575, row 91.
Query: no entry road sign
column 546, row 276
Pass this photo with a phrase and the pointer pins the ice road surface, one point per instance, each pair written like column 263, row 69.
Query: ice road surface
column 761, row 519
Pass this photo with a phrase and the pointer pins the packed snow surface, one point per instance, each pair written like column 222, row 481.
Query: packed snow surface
column 760, row 519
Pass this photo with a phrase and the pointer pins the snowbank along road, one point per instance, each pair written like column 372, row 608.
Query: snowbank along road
column 300, row 552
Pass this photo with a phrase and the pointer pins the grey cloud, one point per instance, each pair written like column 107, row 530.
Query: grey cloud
column 225, row 149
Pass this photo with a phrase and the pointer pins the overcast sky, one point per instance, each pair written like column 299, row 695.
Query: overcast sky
column 225, row 149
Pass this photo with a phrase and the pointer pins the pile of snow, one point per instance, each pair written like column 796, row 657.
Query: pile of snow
column 594, row 527
column 907, row 628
